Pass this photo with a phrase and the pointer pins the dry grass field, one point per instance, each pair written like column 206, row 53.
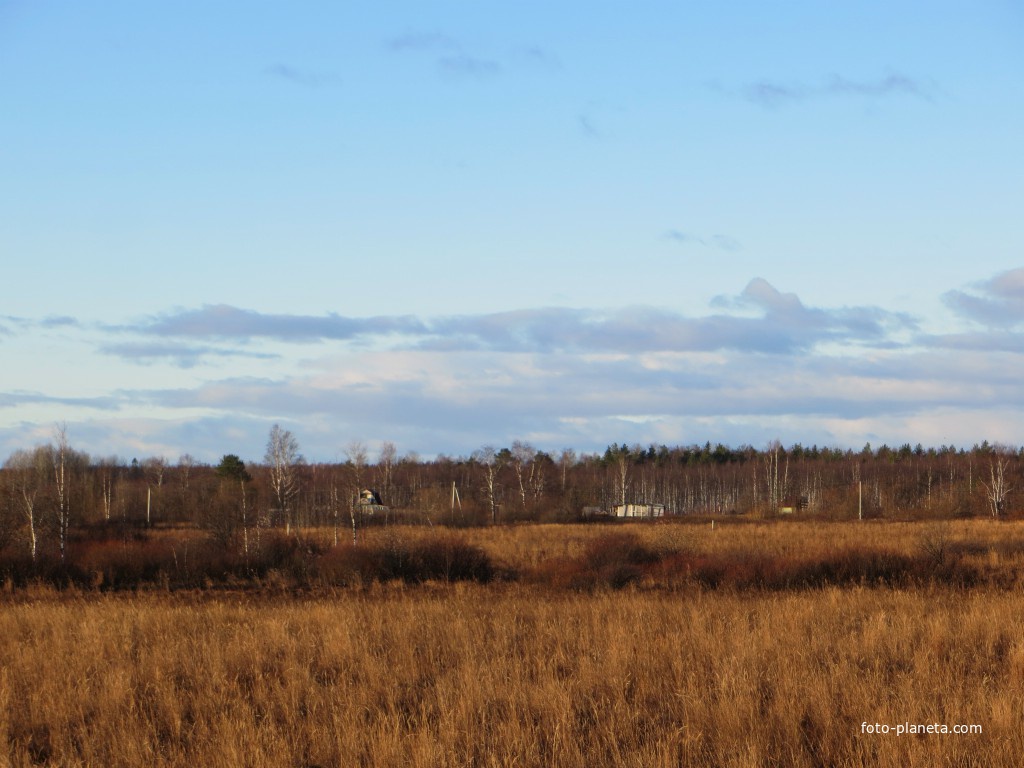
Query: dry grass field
column 665, row 671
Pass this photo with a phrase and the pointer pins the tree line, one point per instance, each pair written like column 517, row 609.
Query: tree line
column 52, row 492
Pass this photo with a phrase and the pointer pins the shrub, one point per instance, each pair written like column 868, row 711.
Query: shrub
column 444, row 559
column 123, row 564
column 613, row 560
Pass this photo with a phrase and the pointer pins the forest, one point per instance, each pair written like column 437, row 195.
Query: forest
column 513, row 484
column 54, row 497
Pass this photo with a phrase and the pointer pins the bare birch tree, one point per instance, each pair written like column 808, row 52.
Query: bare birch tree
column 283, row 458
column 487, row 458
column 28, row 468
column 566, row 460
column 522, row 462
column 997, row 489
column 107, row 471
column 186, row 463
column 621, row 461
column 357, row 456
column 59, row 455
column 777, row 482
column 335, row 509
column 386, row 465
column 155, row 467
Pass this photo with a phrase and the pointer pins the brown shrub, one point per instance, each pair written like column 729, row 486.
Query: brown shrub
column 429, row 559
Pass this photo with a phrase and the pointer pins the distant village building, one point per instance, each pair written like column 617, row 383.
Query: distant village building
column 369, row 502
column 791, row 505
column 639, row 510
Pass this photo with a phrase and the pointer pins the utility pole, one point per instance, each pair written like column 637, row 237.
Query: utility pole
column 455, row 498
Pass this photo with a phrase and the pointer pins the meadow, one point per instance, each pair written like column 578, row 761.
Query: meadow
column 640, row 645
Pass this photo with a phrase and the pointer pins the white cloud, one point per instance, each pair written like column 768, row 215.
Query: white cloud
column 752, row 367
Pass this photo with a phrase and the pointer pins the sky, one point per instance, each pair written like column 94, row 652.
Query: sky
column 452, row 224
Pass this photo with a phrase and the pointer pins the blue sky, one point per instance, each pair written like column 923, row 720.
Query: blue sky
column 450, row 224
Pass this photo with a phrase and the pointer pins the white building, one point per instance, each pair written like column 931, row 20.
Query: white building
column 639, row 510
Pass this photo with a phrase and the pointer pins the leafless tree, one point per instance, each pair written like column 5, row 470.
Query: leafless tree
column 386, row 465
column 522, row 462
column 487, row 458
column 335, row 509
column 776, row 482
column 185, row 465
column 28, row 470
column 621, row 461
column 10, row 509
column 357, row 456
column 59, row 455
column 155, row 467
column 566, row 459
column 997, row 489
column 283, row 458
column 107, row 471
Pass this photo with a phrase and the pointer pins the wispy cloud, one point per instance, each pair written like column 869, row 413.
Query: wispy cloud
column 454, row 59
column 772, row 94
column 59, row 321
column 423, row 41
column 182, row 355
column 465, row 65
column 9, row 322
column 225, row 322
column 304, row 78
column 769, row 94
column 448, row 54
column 782, row 325
column 998, row 302
column 718, row 241
column 988, row 341
column 10, row 325
column 20, row 399
column 587, row 126
column 891, row 85
column 537, row 57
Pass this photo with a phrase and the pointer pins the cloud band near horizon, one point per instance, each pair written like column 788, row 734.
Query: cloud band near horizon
column 760, row 364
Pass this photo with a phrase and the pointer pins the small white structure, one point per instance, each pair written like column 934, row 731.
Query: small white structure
column 639, row 510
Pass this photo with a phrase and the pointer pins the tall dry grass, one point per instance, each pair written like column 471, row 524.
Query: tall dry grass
column 524, row 546
column 500, row 675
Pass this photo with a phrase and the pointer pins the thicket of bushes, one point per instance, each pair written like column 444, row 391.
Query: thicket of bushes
column 124, row 558
column 619, row 559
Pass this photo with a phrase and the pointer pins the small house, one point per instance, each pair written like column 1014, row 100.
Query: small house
column 369, row 502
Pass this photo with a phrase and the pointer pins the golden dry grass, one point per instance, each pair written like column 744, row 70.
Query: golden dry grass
column 527, row 675
column 507, row 675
